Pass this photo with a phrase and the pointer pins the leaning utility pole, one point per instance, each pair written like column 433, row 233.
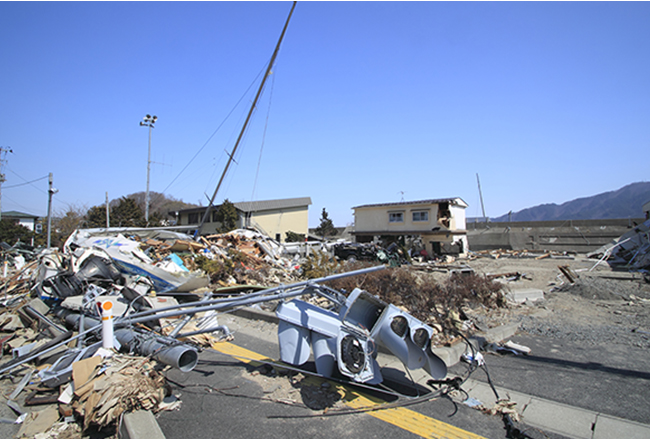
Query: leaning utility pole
column 480, row 194
column 241, row 134
column 3, row 154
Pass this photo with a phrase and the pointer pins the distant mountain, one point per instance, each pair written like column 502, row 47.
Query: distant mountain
column 625, row 202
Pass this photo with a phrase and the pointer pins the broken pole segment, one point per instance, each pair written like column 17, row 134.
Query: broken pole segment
column 107, row 324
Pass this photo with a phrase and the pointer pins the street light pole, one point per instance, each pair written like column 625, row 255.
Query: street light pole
column 149, row 121
column 51, row 191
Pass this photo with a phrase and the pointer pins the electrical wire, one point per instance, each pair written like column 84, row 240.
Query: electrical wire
column 259, row 160
column 23, row 184
column 215, row 131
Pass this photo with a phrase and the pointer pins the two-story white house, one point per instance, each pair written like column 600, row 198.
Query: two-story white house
column 440, row 223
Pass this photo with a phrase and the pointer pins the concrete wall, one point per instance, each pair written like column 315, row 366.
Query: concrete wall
column 580, row 236
column 458, row 221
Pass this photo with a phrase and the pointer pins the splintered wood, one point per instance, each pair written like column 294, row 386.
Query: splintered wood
column 120, row 384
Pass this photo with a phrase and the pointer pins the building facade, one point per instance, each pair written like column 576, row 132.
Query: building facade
column 24, row 219
column 272, row 217
column 440, row 223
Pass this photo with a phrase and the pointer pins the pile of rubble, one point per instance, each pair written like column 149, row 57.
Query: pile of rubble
column 54, row 303
column 88, row 330
column 629, row 252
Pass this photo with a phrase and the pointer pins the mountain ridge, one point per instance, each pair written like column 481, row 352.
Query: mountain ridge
column 625, row 202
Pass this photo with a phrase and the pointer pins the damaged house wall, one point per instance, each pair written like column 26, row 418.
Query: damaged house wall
column 272, row 217
column 440, row 223
column 276, row 217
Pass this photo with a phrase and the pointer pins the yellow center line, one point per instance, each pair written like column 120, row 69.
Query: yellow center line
column 403, row 418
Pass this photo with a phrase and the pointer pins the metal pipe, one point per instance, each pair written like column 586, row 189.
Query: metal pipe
column 164, row 349
column 222, row 328
column 72, row 318
column 256, row 294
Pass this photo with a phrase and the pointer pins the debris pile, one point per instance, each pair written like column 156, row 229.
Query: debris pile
column 629, row 252
column 90, row 328
column 523, row 254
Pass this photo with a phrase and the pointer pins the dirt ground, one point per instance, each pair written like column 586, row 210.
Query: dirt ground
column 600, row 306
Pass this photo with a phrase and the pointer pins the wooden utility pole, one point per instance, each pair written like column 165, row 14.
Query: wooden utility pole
column 241, row 134
column 3, row 158
column 480, row 194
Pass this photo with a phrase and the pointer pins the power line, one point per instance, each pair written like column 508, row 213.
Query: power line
column 23, row 184
column 215, row 132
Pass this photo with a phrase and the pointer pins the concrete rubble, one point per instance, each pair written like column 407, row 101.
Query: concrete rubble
column 629, row 252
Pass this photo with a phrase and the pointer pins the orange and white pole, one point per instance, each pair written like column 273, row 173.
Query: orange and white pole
column 107, row 324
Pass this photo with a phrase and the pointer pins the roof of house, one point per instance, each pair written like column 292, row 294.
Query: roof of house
column 256, row 206
column 454, row 200
column 15, row 214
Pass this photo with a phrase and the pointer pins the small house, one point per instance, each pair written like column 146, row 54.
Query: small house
column 440, row 223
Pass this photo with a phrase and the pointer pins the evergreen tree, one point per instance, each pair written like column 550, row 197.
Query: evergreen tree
column 227, row 216
column 96, row 217
column 12, row 232
column 127, row 213
column 326, row 227
column 294, row 237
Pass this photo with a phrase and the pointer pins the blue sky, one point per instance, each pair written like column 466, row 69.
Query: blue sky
column 369, row 102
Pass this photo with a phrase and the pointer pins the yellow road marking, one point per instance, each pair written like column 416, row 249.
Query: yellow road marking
column 403, row 418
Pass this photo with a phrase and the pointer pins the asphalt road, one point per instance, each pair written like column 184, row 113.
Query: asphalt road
column 221, row 400
column 606, row 378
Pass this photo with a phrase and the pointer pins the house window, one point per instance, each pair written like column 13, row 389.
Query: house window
column 395, row 217
column 193, row 218
column 421, row 216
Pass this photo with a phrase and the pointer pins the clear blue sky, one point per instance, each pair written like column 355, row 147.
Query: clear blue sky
column 369, row 102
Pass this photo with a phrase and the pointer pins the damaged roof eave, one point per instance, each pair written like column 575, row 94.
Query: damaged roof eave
column 456, row 201
column 409, row 232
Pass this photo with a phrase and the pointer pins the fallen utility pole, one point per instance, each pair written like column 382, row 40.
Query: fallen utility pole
column 241, row 134
column 276, row 293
